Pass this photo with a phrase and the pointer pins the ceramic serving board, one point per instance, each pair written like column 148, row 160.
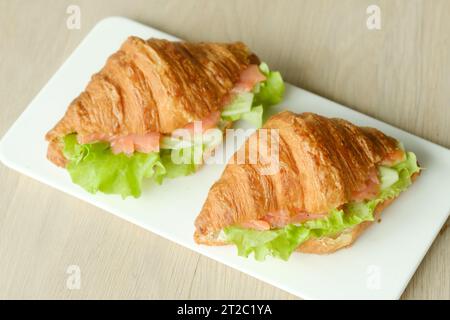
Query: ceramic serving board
column 378, row 266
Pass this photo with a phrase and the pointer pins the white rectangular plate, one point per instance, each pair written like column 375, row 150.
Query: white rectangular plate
column 378, row 266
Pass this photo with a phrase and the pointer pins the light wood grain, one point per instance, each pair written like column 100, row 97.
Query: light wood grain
column 399, row 74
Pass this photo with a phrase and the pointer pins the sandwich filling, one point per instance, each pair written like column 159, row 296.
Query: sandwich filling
column 279, row 234
column 120, row 164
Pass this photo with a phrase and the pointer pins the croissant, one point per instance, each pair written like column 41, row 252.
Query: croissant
column 148, row 90
column 324, row 167
column 153, row 86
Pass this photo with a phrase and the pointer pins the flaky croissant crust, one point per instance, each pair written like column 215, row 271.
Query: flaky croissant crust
column 322, row 162
column 153, row 86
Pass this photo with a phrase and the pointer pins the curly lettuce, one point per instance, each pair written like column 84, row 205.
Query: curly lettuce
column 95, row 168
column 270, row 91
column 280, row 243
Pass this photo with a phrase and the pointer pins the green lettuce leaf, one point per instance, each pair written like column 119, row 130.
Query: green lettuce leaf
column 182, row 157
column 270, row 91
column 405, row 169
column 254, row 116
column 280, row 243
column 174, row 169
column 249, row 106
column 240, row 105
column 95, row 168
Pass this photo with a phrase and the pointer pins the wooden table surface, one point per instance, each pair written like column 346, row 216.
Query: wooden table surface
column 399, row 74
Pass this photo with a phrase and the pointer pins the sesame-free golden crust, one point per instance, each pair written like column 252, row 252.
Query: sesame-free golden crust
column 322, row 162
column 153, row 86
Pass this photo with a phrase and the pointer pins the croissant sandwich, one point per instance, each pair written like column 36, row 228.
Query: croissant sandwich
column 133, row 113
column 332, row 181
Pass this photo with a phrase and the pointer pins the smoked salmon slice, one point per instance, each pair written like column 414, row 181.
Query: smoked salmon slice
column 129, row 144
column 280, row 219
column 249, row 78
column 394, row 157
column 370, row 189
column 208, row 123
